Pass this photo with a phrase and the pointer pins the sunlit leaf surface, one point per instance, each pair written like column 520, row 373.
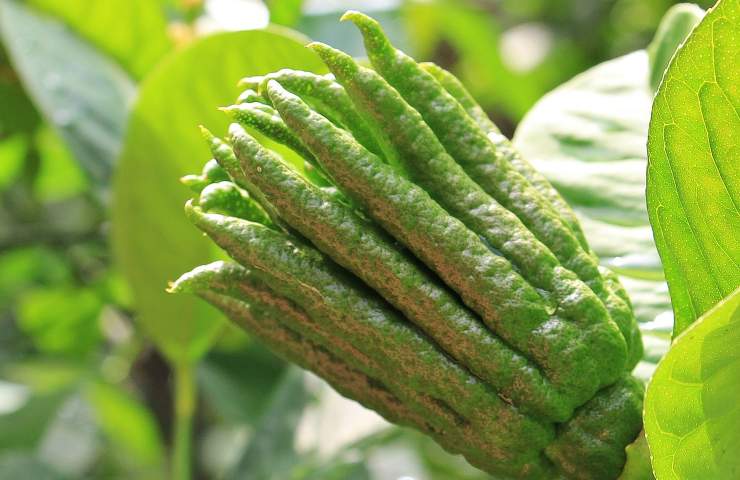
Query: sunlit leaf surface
column 693, row 188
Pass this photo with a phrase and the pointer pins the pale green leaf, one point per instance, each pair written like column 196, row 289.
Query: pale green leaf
column 691, row 408
column 153, row 241
column 693, row 181
column 133, row 32
column 82, row 93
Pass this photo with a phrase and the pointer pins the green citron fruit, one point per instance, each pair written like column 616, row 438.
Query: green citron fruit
column 419, row 265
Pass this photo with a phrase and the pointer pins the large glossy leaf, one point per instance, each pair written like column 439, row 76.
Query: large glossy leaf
column 588, row 137
column 133, row 32
column 82, row 93
column 152, row 240
column 691, row 408
column 693, row 189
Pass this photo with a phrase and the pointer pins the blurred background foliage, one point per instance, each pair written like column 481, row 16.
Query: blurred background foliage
column 86, row 391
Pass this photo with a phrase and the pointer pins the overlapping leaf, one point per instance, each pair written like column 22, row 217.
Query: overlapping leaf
column 153, row 241
column 691, row 408
column 81, row 92
column 693, row 187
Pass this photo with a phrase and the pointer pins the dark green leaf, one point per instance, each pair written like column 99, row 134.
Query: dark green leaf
column 82, row 93
column 693, row 181
column 271, row 455
column 691, row 408
column 153, row 241
column 18, row 114
column 237, row 385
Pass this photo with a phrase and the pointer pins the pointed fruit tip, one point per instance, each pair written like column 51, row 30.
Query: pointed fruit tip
column 349, row 15
column 205, row 132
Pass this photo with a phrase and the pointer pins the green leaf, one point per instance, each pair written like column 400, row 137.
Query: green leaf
column 271, row 453
column 59, row 175
column 61, row 320
column 237, row 385
column 130, row 428
column 672, row 31
column 18, row 114
column 152, row 240
column 12, row 156
column 693, row 185
column 588, row 138
column 26, row 465
column 82, row 93
column 134, row 32
column 23, row 428
column 691, row 408
column 285, row 12
column 637, row 466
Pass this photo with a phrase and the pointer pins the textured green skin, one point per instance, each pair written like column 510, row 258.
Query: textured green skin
column 458, row 91
column 591, row 445
column 212, row 172
column 611, row 282
column 250, row 96
column 291, row 333
column 487, row 159
column 334, row 325
column 364, row 320
column 228, row 199
column 585, row 445
column 326, row 96
column 615, row 288
column 432, row 168
column 485, row 281
column 225, row 157
column 267, row 121
column 369, row 253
